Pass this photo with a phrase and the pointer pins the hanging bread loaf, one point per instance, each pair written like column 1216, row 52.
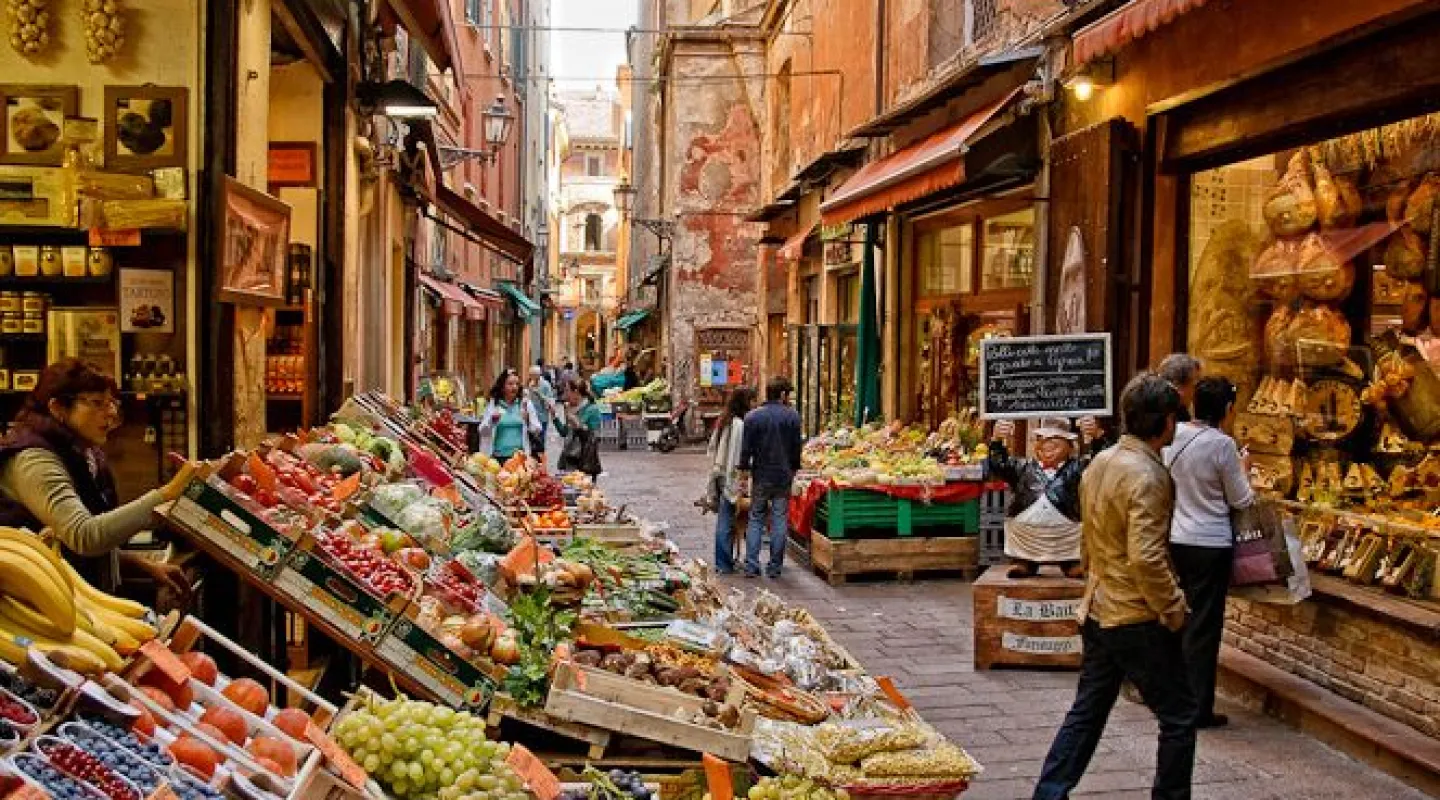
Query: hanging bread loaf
column 1277, row 268
column 1324, row 277
column 1290, row 208
column 1222, row 328
column 1420, row 206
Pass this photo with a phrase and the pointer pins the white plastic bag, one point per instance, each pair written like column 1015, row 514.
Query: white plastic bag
column 1296, row 587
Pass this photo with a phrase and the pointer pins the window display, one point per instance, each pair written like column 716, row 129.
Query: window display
column 1312, row 282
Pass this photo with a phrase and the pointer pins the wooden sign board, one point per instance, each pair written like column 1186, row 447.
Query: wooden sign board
column 1024, row 377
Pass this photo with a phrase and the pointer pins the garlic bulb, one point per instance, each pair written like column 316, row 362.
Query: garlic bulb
column 104, row 26
column 29, row 25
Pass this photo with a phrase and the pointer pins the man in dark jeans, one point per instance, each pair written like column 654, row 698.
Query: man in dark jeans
column 1133, row 610
column 770, row 454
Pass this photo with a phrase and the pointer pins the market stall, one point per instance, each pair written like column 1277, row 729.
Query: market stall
column 886, row 498
column 484, row 600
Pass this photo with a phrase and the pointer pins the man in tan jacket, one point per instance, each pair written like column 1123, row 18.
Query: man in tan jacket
column 1133, row 609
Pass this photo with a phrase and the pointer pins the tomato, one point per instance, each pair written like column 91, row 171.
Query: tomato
column 266, row 498
column 303, row 482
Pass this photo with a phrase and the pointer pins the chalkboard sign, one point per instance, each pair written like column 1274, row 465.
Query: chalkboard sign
column 1045, row 376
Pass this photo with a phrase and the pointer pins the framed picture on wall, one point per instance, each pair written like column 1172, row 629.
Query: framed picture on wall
column 255, row 238
column 144, row 127
column 291, row 164
column 32, row 126
column 89, row 334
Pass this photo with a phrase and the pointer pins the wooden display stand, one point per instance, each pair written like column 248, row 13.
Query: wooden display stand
column 1028, row 622
column 837, row 559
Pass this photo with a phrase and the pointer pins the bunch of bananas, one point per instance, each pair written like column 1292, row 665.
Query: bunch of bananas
column 46, row 605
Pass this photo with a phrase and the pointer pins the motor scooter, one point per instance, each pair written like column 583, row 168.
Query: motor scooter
column 673, row 432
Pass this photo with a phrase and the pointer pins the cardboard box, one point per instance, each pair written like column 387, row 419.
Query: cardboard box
column 335, row 597
column 411, row 649
column 209, row 513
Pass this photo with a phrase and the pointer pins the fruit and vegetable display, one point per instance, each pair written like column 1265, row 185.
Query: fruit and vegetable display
column 418, row 749
column 892, row 454
column 652, row 395
column 617, row 784
column 46, row 605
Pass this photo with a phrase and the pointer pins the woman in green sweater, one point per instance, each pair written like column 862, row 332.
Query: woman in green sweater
column 580, row 425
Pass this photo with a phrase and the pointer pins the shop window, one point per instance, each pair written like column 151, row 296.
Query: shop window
column 472, row 11
column 1311, row 286
column 984, row 20
column 594, row 228
column 847, row 298
column 946, row 260
column 1009, row 251
column 487, row 22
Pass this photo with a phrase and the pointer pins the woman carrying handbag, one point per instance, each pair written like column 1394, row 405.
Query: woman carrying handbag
column 580, row 425
column 726, row 490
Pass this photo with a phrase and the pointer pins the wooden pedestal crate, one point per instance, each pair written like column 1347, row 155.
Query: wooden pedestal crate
column 836, row 559
column 1028, row 622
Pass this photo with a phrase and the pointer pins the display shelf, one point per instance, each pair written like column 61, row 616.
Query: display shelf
column 23, row 338
column 55, row 282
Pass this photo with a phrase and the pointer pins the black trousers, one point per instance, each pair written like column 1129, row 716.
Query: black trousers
column 1204, row 574
column 1149, row 656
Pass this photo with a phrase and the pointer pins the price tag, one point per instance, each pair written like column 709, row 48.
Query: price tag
column 163, row 792
column 120, row 237
column 344, row 489
column 888, row 687
column 341, row 760
column 166, row 661
column 27, row 792
column 538, row 777
column 718, row 778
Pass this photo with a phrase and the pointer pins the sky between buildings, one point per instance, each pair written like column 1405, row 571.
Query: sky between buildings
column 589, row 57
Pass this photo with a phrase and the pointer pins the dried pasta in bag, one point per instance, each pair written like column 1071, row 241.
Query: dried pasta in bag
column 846, row 744
column 942, row 761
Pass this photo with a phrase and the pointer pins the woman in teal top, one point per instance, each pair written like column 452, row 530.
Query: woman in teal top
column 580, row 425
column 509, row 418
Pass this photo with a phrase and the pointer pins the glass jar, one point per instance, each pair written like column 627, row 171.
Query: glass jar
column 9, row 301
column 101, row 262
column 74, row 259
column 34, row 302
column 50, row 264
column 27, row 261
column 7, row 261
column 10, row 322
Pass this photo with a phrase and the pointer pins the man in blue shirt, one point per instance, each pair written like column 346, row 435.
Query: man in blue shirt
column 770, row 455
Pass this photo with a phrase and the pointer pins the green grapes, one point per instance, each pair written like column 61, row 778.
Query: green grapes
column 421, row 751
column 793, row 787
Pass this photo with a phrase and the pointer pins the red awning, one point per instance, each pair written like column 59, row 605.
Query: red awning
column 934, row 163
column 1125, row 25
column 455, row 300
column 431, row 23
column 794, row 247
column 491, row 230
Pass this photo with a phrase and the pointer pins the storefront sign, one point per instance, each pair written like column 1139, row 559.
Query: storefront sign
column 1036, row 610
column 1041, row 645
column 1034, row 376
column 291, row 164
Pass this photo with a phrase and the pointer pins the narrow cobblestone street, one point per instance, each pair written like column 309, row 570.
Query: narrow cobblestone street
column 921, row 634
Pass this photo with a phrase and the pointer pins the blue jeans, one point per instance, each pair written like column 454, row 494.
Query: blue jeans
column 769, row 505
column 1150, row 656
column 724, row 524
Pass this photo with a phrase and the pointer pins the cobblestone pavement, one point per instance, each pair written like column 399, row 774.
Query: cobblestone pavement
column 921, row 634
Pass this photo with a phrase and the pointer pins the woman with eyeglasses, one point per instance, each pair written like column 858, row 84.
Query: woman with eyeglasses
column 53, row 474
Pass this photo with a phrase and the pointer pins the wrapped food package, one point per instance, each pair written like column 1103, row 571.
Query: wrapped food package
column 1290, row 207
column 849, row 744
column 1405, row 255
column 1337, row 201
column 1222, row 328
column 1324, row 276
column 945, row 760
column 1420, row 206
column 113, row 185
column 1276, row 270
column 152, row 213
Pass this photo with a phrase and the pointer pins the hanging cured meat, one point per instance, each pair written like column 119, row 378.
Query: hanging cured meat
column 1405, row 255
column 1276, row 270
column 1290, row 208
column 1337, row 201
column 1323, row 275
column 1420, row 206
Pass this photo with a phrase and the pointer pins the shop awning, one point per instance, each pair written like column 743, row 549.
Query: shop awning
column 631, row 319
column 1125, row 25
column 525, row 308
column 794, row 247
column 456, row 301
column 484, row 299
column 934, row 163
column 432, row 24
column 489, row 229
column 1018, row 64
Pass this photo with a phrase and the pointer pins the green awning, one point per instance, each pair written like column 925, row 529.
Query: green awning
column 631, row 319
column 524, row 306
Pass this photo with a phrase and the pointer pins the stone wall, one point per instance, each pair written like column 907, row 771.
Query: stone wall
column 1360, row 655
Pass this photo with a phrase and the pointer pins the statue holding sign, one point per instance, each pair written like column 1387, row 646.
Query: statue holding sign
column 1042, row 523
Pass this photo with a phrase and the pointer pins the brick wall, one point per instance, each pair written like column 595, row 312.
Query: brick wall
column 1363, row 657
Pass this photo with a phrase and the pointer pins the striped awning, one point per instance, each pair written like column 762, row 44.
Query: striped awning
column 794, row 247
column 1126, row 24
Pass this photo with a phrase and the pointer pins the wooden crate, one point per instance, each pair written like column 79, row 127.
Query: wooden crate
column 503, row 707
column 599, row 698
column 837, row 559
column 1029, row 622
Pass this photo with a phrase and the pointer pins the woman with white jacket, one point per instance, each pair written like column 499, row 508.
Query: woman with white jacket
column 509, row 418
column 726, row 488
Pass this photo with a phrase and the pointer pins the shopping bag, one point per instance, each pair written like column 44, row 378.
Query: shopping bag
column 1295, row 588
column 1261, row 556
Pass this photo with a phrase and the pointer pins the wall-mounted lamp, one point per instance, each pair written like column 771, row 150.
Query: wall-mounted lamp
column 1082, row 85
column 395, row 98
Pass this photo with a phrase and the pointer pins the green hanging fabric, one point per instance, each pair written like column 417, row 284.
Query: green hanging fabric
column 867, row 366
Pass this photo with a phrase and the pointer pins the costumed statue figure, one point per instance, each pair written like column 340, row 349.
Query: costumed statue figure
column 1042, row 523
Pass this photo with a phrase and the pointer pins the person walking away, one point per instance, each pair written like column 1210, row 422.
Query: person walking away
column 1183, row 370
column 509, row 418
column 54, row 475
column 770, row 455
column 1212, row 478
column 580, row 425
column 1133, row 611
column 541, row 396
column 726, row 487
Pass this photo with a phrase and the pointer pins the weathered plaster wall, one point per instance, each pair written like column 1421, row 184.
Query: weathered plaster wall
column 712, row 173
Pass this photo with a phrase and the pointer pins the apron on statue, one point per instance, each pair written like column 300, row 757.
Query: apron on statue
column 1041, row 533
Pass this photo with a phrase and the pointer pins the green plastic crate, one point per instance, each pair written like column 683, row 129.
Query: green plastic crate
column 844, row 512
